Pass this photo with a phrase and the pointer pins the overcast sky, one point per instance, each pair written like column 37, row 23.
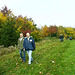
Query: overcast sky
column 49, row 12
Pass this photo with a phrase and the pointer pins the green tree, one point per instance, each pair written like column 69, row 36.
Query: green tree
column 9, row 36
column 36, row 35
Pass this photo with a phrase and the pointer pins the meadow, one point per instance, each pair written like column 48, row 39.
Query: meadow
column 51, row 57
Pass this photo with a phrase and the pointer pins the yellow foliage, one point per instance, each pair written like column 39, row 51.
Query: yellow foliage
column 74, row 35
column 65, row 36
column 45, row 30
column 21, row 19
column 61, row 30
column 30, row 22
column 69, row 31
column 2, row 17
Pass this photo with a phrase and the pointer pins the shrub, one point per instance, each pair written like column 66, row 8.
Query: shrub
column 9, row 35
column 36, row 35
column 6, row 50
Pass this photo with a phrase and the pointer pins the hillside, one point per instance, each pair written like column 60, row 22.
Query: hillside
column 51, row 57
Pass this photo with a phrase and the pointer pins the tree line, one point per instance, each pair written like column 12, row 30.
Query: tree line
column 11, row 26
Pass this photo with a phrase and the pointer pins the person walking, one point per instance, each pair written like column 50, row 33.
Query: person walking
column 29, row 46
column 20, row 47
column 70, row 38
column 61, row 37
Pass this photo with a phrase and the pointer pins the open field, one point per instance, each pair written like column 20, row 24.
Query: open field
column 51, row 57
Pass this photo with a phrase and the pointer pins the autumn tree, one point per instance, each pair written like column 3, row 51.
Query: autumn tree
column 61, row 30
column 53, row 30
column 6, row 11
column 2, row 22
column 45, row 31
column 9, row 36
column 69, row 31
column 73, row 33
column 36, row 35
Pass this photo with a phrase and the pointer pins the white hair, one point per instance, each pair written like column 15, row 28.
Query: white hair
column 27, row 34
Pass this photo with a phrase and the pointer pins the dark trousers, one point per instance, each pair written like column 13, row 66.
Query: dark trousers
column 61, row 40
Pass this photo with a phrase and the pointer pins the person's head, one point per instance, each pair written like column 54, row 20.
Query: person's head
column 21, row 35
column 28, row 35
column 61, row 34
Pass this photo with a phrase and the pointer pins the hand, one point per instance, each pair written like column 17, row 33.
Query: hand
column 24, row 49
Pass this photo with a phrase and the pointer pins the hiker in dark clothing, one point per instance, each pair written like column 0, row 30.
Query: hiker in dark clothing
column 61, row 37
column 70, row 38
column 29, row 46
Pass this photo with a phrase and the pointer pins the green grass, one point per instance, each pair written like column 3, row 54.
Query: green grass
column 48, row 50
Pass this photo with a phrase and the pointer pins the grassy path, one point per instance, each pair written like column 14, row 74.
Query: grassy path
column 63, row 54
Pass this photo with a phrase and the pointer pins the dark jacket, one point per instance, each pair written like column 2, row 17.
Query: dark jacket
column 29, row 45
column 61, row 37
column 70, row 38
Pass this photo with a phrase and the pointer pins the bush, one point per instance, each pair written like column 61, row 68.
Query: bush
column 9, row 35
column 73, row 36
column 36, row 35
column 5, row 50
